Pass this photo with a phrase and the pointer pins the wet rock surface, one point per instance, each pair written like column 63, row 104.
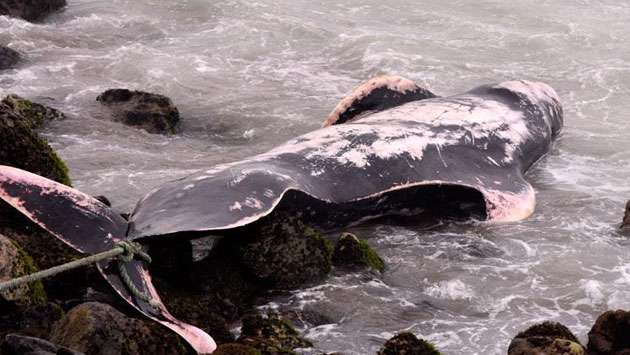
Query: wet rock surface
column 236, row 349
column 242, row 266
column 270, row 334
column 96, row 328
column 21, row 146
column 23, row 345
column 8, row 58
column 152, row 112
column 407, row 344
column 611, row 334
column 546, row 338
column 15, row 262
column 30, row 10
column 354, row 253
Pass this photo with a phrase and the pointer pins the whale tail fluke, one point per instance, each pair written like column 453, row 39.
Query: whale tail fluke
column 89, row 226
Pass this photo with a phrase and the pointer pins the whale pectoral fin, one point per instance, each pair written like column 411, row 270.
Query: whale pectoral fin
column 79, row 220
column 201, row 342
column 510, row 205
column 377, row 94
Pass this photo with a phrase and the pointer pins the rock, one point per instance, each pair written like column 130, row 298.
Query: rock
column 271, row 335
column 15, row 262
column 407, row 344
column 20, row 146
column 240, row 267
column 611, row 334
column 152, row 112
column 36, row 321
column 30, row 10
column 286, row 254
column 31, row 113
column 546, row 338
column 625, row 224
column 8, row 58
column 236, row 349
column 351, row 252
column 17, row 344
column 96, row 328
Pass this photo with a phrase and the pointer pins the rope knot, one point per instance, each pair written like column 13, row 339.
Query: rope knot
column 131, row 251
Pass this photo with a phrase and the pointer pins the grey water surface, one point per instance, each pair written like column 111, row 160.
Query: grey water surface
column 248, row 75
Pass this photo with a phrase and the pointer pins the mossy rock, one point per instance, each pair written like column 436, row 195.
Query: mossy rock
column 352, row 252
column 99, row 329
column 285, row 253
column 152, row 112
column 236, row 349
column 408, row 344
column 34, row 115
column 547, row 338
column 15, row 262
column 21, row 146
column 272, row 330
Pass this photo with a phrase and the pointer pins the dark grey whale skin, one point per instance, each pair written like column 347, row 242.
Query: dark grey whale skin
column 388, row 148
column 493, row 135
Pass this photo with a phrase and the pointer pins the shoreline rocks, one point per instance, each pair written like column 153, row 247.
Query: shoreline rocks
column 30, row 10
column 21, row 146
column 546, row 338
column 152, row 112
column 611, row 334
column 99, row 329
column 354, row 253
column 9, row 58
column 407, row 344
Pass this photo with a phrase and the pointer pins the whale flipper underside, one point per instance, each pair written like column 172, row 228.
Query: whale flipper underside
column 91, row 227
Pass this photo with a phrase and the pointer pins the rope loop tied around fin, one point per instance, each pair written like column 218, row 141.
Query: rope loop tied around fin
column 131, row 251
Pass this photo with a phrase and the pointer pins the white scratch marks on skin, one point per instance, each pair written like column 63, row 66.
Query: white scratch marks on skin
column 236, row 206
column 269, row 193
column 189, row 186
column 253, row 202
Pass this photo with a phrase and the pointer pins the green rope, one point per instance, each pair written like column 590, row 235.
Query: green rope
column 124, row 251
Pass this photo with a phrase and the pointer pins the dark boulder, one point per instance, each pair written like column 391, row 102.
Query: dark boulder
column 36, row 321
column 30, row 10
column 354, row 253
column 21, row 146
column 236, row 349
column 271, row 335
column 96, row 328
column 546, row 338
column 277, row 254
column 611, row 334
column 152, row 112
column 407, row 344
column 285, row 254
column 23, row 345
column 625, row 224
column 8, row 58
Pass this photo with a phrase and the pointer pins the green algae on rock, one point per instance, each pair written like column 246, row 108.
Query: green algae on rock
column 15, row 262
column 271, row 335
column 408, row 344
column 236, row 349
column 96, row 328
column 352, row 252
column 21, row 146
column 546, row 338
